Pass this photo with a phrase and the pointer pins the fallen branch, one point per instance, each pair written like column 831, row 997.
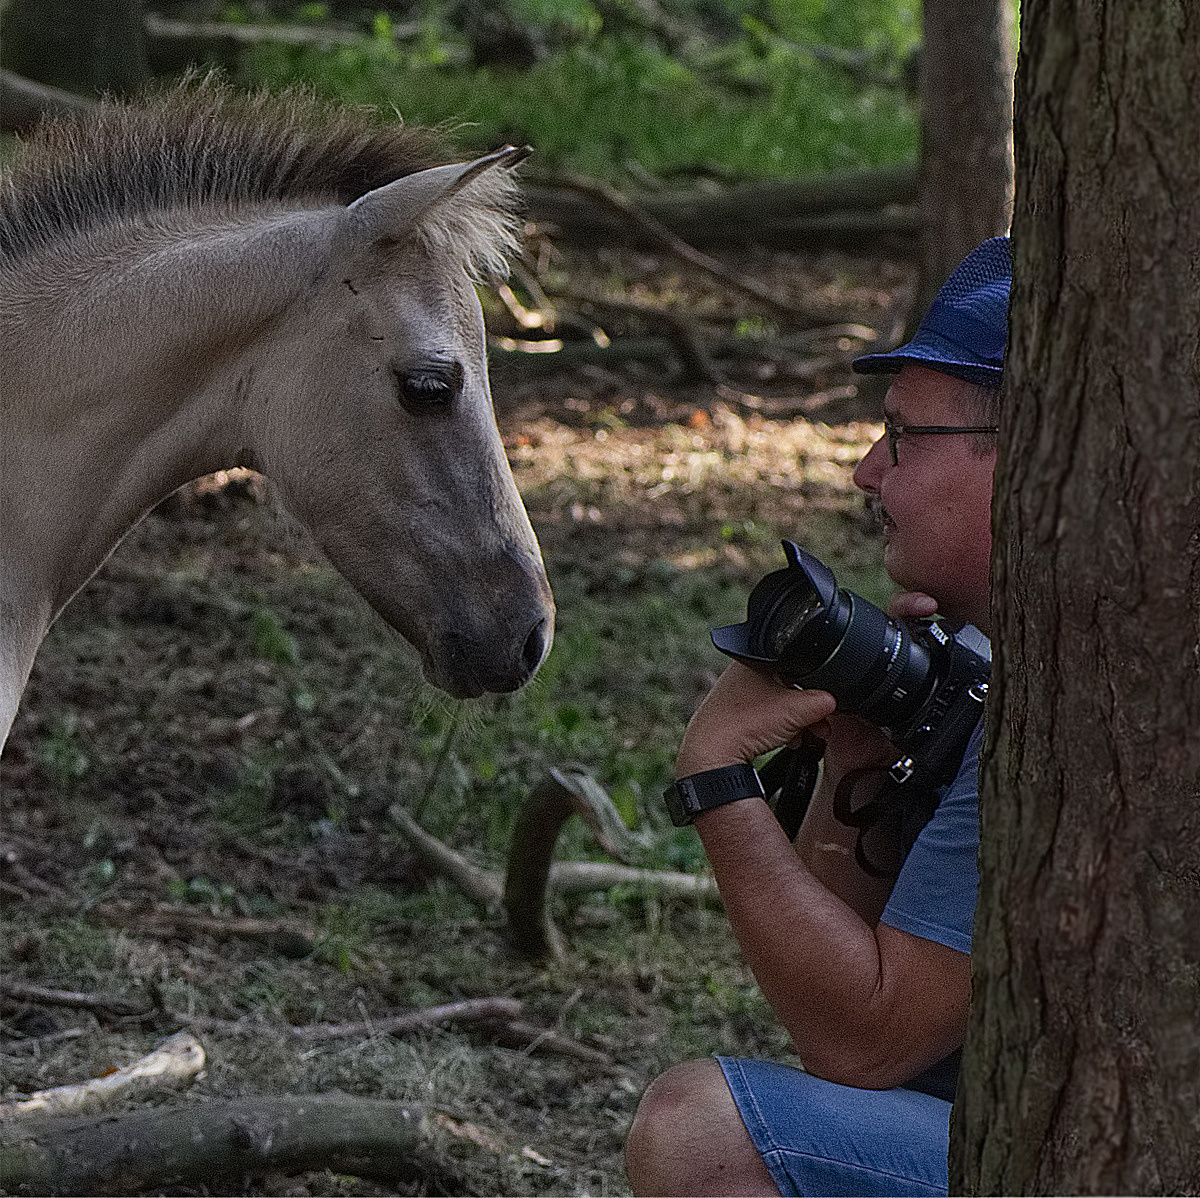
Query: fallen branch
column 105, row 1004
column 160, row 28
column 584, row 877
column 482, row 886
column 152, row 1149
column 662, row 236
column 284, row 936
column 570, row 355
column 488, row 1011
column 531, row 1038
column 853, row 208
column 178, row 1061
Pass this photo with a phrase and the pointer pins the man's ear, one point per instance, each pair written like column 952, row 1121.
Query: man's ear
column 391, row 212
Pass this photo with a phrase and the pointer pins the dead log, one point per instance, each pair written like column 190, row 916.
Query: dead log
column 859, row 207
column 322, row 36
column 23, row 103
column 151, row 1149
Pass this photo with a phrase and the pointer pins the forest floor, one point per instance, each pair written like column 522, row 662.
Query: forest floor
column 218, row 725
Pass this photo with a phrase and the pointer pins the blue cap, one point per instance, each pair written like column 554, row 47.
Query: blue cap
column 964, row 332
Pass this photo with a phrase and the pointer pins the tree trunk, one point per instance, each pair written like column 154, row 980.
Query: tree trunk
column 85, row 46
column 966, row 134
column 1082, row 1069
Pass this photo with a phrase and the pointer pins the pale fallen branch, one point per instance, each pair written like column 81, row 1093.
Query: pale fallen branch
column 532, row 872
column 176, row 1062
column 153, row 1149
column 482, row 886
column 162, row 28
column 582, row 877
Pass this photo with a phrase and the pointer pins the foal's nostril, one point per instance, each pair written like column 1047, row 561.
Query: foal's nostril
column 535, row 648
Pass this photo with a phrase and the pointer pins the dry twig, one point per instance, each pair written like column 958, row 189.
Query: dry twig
column 285, row 936
column 105, row 1004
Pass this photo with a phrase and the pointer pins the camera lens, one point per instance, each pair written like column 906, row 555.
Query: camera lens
column 808, row 631
column 785, row 613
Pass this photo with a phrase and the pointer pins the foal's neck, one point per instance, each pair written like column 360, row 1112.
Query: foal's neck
column 128, row 376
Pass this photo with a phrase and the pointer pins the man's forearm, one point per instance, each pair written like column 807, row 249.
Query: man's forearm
column 817, row 962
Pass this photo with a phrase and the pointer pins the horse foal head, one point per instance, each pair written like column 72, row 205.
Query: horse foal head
column 378, row 424
column 274, row 283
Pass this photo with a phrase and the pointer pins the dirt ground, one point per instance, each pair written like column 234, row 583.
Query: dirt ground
column 218, row 725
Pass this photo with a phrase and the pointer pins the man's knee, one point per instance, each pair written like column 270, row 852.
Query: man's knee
column 688, row 1138
column 674, row 1100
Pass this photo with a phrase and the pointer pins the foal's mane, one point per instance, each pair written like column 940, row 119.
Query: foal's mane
column 203, row 145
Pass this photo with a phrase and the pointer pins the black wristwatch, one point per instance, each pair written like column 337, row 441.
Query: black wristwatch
column 687, row 797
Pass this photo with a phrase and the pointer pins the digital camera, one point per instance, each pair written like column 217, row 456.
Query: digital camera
column 923, row 683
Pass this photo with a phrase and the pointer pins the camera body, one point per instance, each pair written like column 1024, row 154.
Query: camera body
column 922, row 683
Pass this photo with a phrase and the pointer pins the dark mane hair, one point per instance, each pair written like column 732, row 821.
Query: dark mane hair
column 197, row 144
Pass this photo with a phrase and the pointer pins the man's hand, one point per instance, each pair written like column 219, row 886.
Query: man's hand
column 744, row 715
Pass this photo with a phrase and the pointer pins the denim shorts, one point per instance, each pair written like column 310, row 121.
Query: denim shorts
column 817, row 1137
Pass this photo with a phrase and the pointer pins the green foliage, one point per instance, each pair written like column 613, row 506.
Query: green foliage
column 761, row 99
column 272, row 642
column 60, row 754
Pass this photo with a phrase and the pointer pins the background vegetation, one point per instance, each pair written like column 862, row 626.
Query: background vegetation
column 740, row 87
column 218, row 724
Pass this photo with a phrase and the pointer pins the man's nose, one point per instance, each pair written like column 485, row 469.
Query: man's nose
column 871, row 466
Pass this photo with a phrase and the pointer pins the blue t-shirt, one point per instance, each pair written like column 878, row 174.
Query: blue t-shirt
column 934, row 896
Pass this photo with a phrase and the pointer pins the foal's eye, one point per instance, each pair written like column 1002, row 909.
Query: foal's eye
column 430, row 386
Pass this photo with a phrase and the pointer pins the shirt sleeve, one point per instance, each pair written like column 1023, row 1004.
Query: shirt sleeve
column 934, row 896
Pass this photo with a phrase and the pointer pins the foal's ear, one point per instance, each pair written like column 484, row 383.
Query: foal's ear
column 390, row 212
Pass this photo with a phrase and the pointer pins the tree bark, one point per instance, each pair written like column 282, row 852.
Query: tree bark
column 966, row 177
column 1082, row 1067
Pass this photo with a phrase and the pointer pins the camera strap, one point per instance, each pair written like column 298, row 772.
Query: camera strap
column 911, row 790
column 790, row 779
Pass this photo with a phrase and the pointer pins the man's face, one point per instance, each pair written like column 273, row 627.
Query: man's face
column 937, row 499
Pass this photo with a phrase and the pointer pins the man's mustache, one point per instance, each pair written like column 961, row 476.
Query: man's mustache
column 876, row 514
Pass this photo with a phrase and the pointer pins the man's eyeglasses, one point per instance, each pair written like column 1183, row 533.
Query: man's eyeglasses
column 894, row 432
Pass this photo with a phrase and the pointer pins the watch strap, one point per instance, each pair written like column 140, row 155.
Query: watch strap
column 687, row 797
